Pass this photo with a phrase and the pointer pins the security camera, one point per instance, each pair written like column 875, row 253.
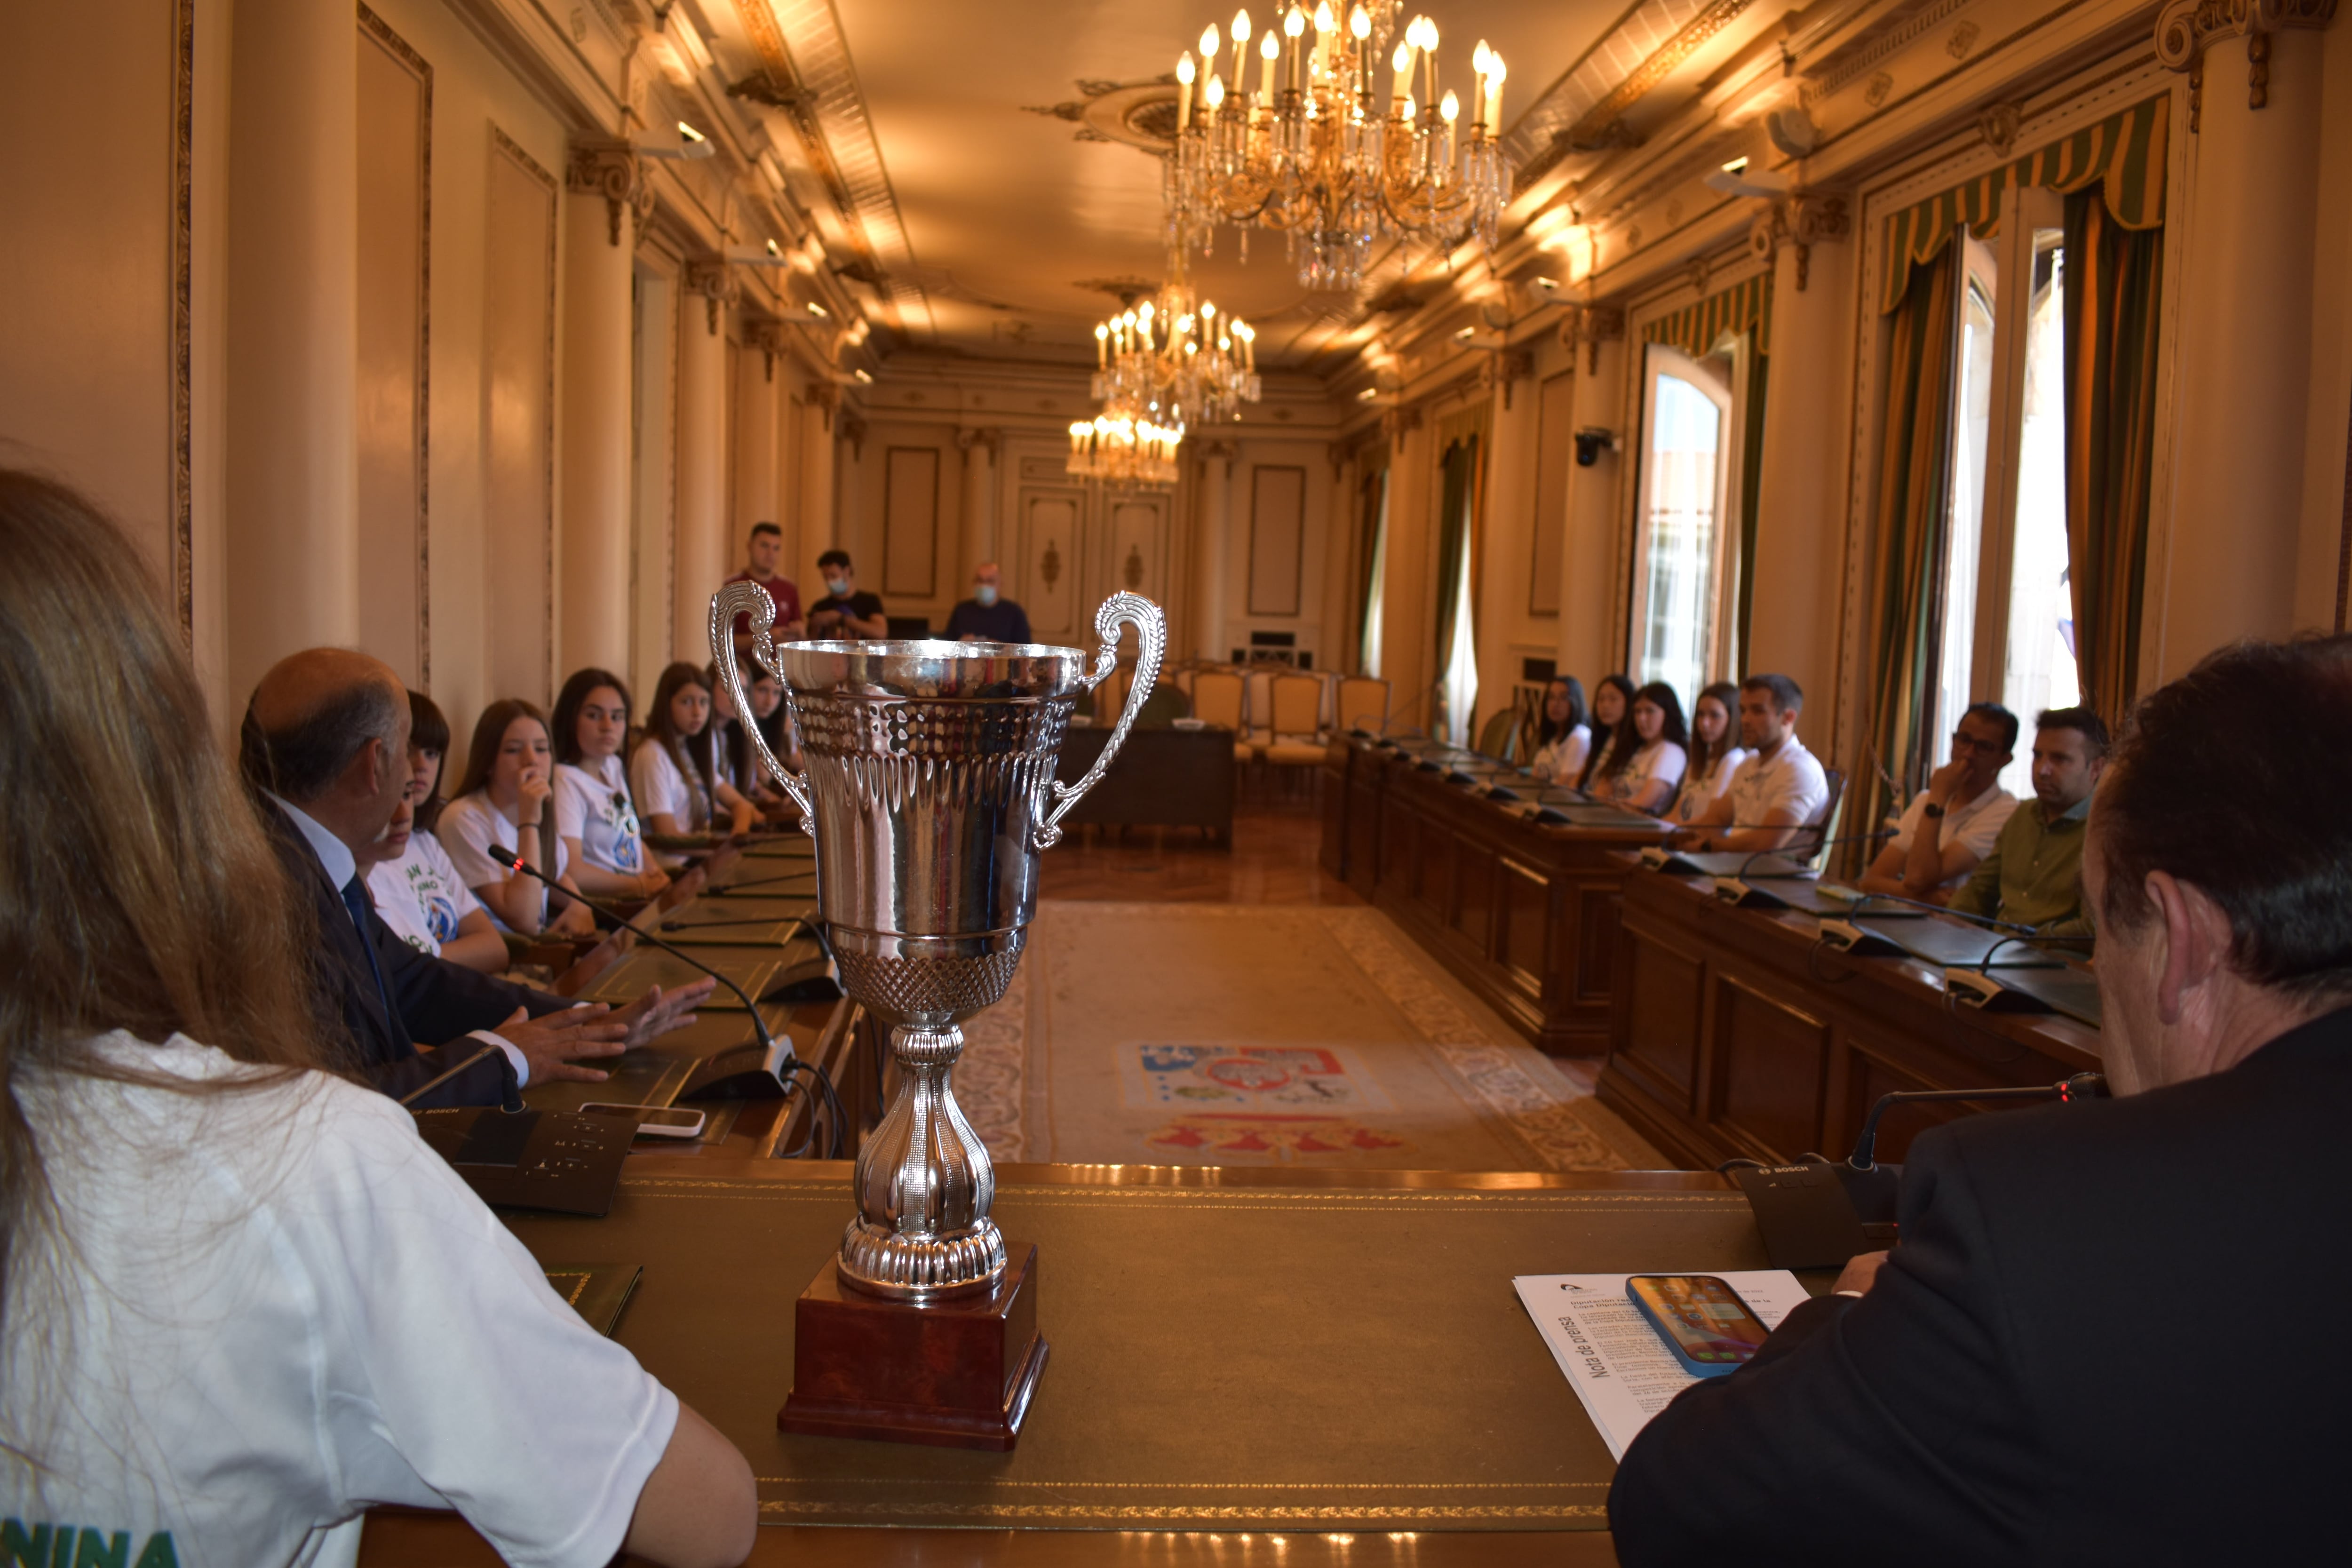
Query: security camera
column 1591, row 442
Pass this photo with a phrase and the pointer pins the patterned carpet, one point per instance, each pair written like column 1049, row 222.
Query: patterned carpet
column 1216, row 1034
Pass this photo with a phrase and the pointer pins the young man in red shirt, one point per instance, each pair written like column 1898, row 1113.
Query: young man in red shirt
column 767, row 552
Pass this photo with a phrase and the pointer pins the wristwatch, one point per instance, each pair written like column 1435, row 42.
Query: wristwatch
column 1931, row 809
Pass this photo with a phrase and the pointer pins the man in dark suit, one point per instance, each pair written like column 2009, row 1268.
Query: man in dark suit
column 325, row 747
column 2105, row 1335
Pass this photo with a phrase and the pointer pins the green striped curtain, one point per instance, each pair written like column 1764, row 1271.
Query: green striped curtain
column 2124, row 152
column 2115, row 289
column 1907, row 546
column 1697, row 329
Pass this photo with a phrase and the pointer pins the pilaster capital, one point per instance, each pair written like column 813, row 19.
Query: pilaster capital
column 1801, row 220
column 852, row 430
column 1511, row 367
column 610, row 168
column 990, row 438
column 2186, row 28
column 1591, row 325
column 715, row 281
column 824, row 396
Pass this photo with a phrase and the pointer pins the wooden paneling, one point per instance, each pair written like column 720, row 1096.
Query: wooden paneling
column 1664, row 994
column 1525, row 914
column 394, row 200
column 1769, row 1061
column 519, row 398
column 1048, row 563
column 1526, row 906
column 911, row 521
column 1278, row 539
column 1733, row 1032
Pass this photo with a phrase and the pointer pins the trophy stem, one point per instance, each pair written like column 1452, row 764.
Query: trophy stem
column 924, row 1185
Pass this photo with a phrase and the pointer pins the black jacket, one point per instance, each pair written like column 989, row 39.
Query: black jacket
column 432, row 998
column 2109, row 1336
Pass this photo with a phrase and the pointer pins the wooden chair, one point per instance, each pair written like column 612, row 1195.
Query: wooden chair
column 1293, row 731
column 1817, row 838
column 1220, row 697
column 1363, row 704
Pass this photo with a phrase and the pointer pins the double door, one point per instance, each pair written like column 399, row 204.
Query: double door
column 1071, row 544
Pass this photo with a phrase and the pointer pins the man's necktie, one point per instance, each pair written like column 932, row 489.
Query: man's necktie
column 355, row 899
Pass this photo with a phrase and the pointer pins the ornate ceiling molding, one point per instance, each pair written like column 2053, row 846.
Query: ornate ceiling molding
column 804, row 55
column 1590, row 98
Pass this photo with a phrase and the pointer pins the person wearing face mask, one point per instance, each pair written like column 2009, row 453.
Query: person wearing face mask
column 2101, row 1338
column 844, row 613
column 987, row 616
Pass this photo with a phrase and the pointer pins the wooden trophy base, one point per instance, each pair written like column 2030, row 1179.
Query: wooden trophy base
column 956, row 1373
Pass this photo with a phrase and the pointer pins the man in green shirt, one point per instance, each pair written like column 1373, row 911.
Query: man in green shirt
column 2033, row 876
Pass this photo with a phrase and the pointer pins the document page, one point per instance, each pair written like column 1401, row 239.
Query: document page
column 1614, row 1360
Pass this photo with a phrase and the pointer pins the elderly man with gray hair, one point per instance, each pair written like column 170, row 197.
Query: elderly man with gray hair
column 2105, row 1335
column 325, row 748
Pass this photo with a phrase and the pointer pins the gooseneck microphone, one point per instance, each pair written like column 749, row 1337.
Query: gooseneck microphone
column 1873, row 1189
column 1818, row 848
column 510, row 1097
column 778, row 1059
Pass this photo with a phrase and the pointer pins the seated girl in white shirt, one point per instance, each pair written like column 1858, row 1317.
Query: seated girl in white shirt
column 232, row 1274
column 1646, row 756
column 1562, row 741
column 1714, row 753
column 594, row 814
column 1613, row 698
column 504, row 802
column 673, row 772
column 417, row 890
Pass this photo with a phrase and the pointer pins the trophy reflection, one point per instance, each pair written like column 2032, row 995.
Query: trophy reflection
column 930, row 793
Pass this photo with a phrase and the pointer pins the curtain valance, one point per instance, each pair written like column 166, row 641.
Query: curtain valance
column 1697, row 329
column 2125, row 151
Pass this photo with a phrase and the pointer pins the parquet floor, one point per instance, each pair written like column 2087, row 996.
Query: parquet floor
column 1273, row 861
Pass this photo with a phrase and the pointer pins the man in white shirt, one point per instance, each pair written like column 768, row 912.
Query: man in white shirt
column 326, row 747
column 1779, row 790
column 1950, row 825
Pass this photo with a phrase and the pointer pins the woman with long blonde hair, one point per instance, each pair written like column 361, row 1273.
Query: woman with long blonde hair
column 228, row 1275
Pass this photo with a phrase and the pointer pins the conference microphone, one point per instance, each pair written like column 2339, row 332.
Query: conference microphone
column 510, row 1094
column 1872, row 1187
column 766, row 1080
column 1824, row 844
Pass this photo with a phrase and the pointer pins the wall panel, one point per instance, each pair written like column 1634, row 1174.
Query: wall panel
column 518, row 429
column 911, row 521
column 1278, row 539
column 394, row 109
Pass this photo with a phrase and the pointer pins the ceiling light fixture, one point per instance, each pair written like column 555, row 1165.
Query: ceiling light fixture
column 1330, row 149
column 1176, row 357
column 819, row 311
column 1124, row 451
column 864, row 375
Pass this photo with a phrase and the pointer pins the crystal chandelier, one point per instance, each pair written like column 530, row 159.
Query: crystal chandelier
column 1333, row 150
column 1125, row 450
column 1176, row 358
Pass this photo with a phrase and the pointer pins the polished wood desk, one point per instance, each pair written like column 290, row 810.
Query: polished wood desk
column 1735, row 1033
column 1248, row 1366
column 1162, row 777
column 1524, row 913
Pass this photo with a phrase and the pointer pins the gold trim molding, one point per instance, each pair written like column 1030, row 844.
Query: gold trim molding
column 2186, row 28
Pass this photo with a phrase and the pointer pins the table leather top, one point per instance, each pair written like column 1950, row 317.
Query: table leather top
column 1324, row 1359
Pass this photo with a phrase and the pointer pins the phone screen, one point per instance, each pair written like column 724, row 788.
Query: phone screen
column 647, row 1117
column 1705, row 1322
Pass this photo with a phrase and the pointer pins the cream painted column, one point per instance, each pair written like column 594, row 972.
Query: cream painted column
column 292, row 337
column 701, row 464
column 981, row 450
column 755, row 437
column 605, row 182
column 2243, row 354
column 1794, row 597
column 1587, row 557
column 820, row 479
column 1216, row 516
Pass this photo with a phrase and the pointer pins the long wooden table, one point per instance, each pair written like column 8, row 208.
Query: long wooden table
column 1523, row 913
column 1739, row 1033
column 1248, row 1365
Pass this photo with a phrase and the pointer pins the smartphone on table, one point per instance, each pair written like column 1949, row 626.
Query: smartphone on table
column 653, row 1120
column 1702, row 1319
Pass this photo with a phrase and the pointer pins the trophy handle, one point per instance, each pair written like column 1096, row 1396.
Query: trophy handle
column 750, row 599
column 1152, row 631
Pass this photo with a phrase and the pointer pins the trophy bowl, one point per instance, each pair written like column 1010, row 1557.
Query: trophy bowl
column 930, row 793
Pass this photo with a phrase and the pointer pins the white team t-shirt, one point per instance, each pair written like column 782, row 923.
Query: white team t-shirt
column 1562, row 759
column 277, row 1308
column 659, row 786
column 1660, row 761
column 1791, row 780
column 1976, row 825
column 594, row 808
column 1700, row 789
column 469, row 825
column 420, row 896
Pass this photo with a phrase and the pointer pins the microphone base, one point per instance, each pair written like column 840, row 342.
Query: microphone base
column 752, row 1071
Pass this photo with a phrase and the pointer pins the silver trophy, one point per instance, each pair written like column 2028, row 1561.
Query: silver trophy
column 930, row 793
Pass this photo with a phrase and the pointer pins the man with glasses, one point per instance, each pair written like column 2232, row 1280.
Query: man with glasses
column 2034, row 874
column 1951, row 824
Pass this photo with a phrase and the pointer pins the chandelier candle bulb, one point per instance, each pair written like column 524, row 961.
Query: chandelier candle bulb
column 1495, row 74
column 1402, row 63
column 1185, row 91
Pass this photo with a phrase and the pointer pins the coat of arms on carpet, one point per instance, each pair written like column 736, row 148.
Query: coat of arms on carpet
column 1282, row 1137
column 1255, row 1077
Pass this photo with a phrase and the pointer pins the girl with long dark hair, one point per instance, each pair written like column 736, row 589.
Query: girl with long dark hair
column 1647, row 753
column 1612, row 698
column 594, row 814
column 1562, row 741
column 506, row 799
column 673, row 772
column 1715, row 751
column 410, row 876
